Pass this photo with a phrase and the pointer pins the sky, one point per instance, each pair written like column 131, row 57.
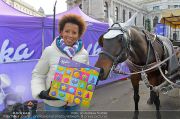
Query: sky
column 48, row 5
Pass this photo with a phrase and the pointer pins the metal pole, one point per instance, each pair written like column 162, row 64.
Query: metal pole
column 164, row 26
column 175, row 34
column 54, row 20
column 170, row 32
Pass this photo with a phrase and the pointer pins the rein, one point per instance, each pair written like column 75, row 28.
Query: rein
column 148, row 69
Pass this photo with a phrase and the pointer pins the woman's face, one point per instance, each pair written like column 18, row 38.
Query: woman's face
column 70, row 33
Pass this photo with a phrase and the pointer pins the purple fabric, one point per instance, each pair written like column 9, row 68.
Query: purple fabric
column 161, row 29
column 23, row 22
column 19, row 43
column 20, row 35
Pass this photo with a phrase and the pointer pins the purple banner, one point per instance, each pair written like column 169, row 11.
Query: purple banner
column 18, row 43
column 161, row 29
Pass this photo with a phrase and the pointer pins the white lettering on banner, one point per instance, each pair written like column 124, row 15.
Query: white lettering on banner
column 95, row 49
column 6, row 53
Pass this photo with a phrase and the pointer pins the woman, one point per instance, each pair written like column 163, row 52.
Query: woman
column 69, row 45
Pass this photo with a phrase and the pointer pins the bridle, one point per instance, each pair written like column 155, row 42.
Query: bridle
column 124, row 53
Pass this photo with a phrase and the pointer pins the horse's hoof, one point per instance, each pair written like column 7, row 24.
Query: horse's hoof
column 149, row 102
column 136, row 114
column 158, row 115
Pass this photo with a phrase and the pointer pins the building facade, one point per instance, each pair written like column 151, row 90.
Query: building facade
column 25, row 8
column 149, row 11
column 155, row 10
column 118, row 10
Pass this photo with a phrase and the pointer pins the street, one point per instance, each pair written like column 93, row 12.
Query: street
column 119, row 96
column 117, row 100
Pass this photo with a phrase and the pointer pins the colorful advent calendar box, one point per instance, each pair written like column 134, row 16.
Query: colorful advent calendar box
column 74, row 82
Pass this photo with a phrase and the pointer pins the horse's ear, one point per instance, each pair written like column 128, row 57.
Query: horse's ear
column 110, row 21
column 100, row 41
column 130, row 22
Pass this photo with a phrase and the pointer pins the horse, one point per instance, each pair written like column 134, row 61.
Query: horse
column 141, row 51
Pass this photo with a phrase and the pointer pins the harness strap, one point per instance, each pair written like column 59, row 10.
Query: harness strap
column 109, row 55
column 135, row 67
column 148, row 69
column 150, row 43
column 149, row 46
column 159, row 67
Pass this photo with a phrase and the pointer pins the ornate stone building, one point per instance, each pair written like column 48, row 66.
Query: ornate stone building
column 118, row 10
column 122, row 10
column 155, row 10
column 24, row 7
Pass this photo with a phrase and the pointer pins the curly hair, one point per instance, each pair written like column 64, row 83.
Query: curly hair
column 75, row 19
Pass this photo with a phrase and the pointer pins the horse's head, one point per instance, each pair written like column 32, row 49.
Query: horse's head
column 115, row 49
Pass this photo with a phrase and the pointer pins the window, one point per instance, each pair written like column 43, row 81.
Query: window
column 176, row 6
column 116, row 13
column 129, row 14
column 156, row 8
column 143, row 21
column 175, row 36
column 80, row 6
column 155, row 21
column 106, row 9
column 169, row 6
column 124, row 17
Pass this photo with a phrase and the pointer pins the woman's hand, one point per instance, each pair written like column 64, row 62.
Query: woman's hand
column 45, row 95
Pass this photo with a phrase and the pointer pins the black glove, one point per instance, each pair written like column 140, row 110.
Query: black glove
column 45, row 95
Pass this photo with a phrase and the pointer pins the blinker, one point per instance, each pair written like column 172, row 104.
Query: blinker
column 114, row 31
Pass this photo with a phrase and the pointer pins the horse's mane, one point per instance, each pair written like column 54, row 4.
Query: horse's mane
column 136, row 32
column 143, row 31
